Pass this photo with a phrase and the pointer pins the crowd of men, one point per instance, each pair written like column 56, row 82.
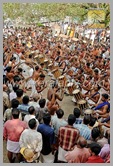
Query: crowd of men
column 33, row 125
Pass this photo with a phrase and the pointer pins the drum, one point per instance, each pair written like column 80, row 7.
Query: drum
column 82, row 104
column 36, row 58
column 70, row 87
column 46, row 62
column 77, row 94
column 50, row 66
column 88, row 112
column 41, row 59
column 62, row 81
column 56, row 73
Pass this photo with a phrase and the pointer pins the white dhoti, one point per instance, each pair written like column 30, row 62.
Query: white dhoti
column 84, row 91
column 102, row 90
column 13, row 147
column 61, row 154
column 31, row 83
column 90, row 101
column 27, row 71
column 105, row 129
column 47, row 158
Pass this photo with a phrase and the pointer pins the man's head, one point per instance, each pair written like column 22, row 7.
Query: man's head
column 104, row 97
column 5, row 88
column 8, row 69
column 17, row 79
column 106, row 78
column 96, row 71
column 95, row 133
column 15, row 87
column 20, row 70
column 107, row 134
column 86, row 119
column 60, row 113
column 42, row 103
column 88, row 64
column 19, row 92
column 36, row 68
column 76, row 112
column 35, row 97
column 92, row 121
column 14, row 103
column 47, row 118
column 97, row 87
column 25, row 99
column 71, row 119
column 32, row 123
column 94, row 149
column 31, row 110
column 15, row 113
column 30, row 56
column 42, row 76
column 81, row 142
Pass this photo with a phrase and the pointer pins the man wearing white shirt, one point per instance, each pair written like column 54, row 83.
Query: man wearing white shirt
column 35, row 103
column 13, row 95
column 32, row 139
column 31, row 115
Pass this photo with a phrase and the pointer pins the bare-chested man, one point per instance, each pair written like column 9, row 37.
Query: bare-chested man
column 40, row 84
column 52, row 96
column 10, row 74
column 88, row 69
column 104, row 106
column 96, row 76
column 93, row 95
column 32, row 80
column 105, row 84
column 86, row 86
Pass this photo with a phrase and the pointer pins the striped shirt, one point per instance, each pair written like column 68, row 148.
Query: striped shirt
column 68, row 136
column 85, row 131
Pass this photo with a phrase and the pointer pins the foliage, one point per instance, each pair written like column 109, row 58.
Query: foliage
column 32, row 12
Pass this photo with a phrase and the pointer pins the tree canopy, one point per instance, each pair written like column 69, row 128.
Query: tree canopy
column 32, row 12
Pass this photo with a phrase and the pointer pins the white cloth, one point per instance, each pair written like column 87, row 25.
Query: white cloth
column 13, row 147
column 61, row 154
column 34, row 104
column 47, row 158
column 31, row 83
column 12, row 95
column 28, row 117
column 90, row 101
column 84, row 91
column 31, row 139
column 102, row 90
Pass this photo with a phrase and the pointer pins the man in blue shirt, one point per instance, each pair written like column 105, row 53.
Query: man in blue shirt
column 85, row 131
column 77, row 114
column 24, row 106
column 48, row 137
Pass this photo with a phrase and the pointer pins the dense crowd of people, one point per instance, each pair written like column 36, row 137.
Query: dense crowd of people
column 75, row 63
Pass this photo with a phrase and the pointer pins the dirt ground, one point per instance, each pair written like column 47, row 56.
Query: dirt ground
column 67, row 105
